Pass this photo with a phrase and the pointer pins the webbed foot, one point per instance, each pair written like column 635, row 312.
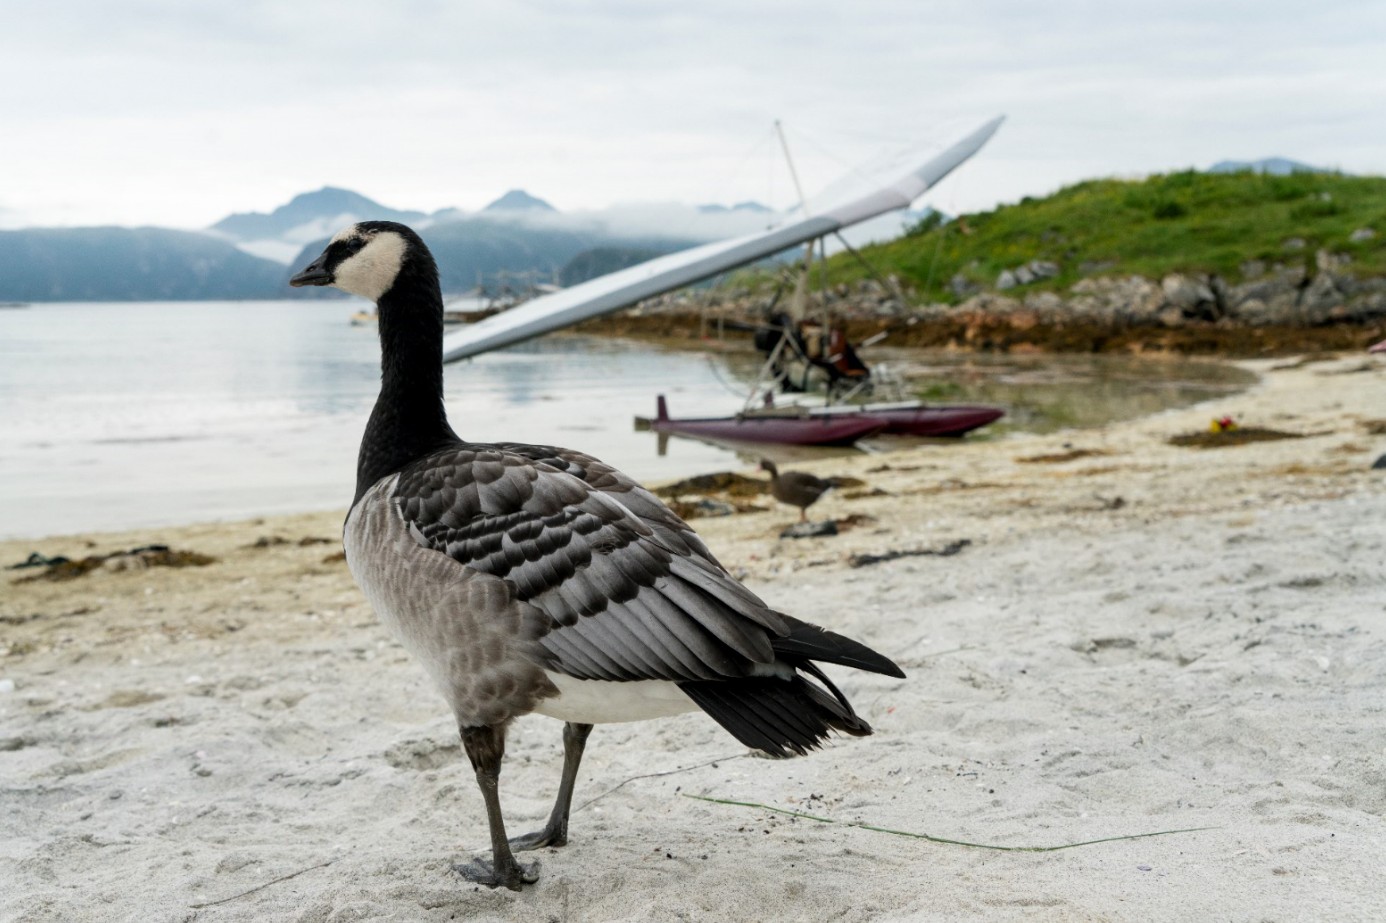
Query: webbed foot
column 483, row 871
column 539, row 839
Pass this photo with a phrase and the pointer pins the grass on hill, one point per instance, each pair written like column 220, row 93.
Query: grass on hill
column 1175, row 222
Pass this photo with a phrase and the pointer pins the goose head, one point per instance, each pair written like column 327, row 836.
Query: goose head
column 366, row 259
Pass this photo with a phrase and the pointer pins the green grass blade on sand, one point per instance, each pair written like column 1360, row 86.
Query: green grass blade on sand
column 939, row 839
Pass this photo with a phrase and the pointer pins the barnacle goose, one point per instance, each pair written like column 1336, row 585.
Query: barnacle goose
column 530, row 578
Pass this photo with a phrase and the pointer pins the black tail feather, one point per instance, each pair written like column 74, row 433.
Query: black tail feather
column 781, row 717
column 853, row 724
column 788, row 717
column 813, row 643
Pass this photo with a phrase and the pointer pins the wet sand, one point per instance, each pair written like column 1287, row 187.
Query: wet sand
column 1138, row 637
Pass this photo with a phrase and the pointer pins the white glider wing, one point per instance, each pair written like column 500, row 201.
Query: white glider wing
column 663, row 274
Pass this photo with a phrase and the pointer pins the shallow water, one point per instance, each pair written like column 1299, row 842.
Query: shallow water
column 1045, row 393
column 118, row 416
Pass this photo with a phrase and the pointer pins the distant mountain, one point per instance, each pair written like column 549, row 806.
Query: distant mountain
column 130, row 264
column 252, row 254
column 590, row 264
column 476, row 250
column 328, row 206
column 517, row 200
column 715, row 209
column 1276, row 166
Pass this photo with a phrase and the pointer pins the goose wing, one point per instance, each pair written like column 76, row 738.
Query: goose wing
column 671, row 530
column 626, row 589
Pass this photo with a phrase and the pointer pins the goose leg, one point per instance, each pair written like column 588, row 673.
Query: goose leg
column 555, row 832
column 485, row 747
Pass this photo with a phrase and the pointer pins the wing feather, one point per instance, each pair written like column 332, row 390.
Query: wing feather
column 740, row 634
column 624, row 587
column 700, row 656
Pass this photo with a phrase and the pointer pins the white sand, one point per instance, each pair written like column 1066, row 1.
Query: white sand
column 1209, row 652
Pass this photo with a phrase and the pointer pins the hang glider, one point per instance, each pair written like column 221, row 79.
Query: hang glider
column 664, row 274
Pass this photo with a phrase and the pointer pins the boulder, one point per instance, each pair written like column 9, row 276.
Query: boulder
column 1186, row 292
column 1170, row 316
column 961, row 286
column 1133, row 299
column 1327, row 261
column 1026, row 273
column 1319, row 299
column 1268, row 299
column 1194, row 297
column 1045, row 304
column 988, row 303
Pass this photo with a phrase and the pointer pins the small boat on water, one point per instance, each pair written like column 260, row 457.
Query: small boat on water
column 786, row 426
column 833, row 425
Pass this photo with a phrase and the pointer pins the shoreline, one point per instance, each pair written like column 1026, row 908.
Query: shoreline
column 1139, row 637
column 1020, row 331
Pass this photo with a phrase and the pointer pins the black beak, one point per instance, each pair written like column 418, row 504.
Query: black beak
column 314, row 274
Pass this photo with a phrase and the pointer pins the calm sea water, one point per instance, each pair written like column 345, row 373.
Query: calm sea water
column 116, row 416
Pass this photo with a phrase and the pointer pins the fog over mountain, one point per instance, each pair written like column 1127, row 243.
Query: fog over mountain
column 252, row 254
column 1275, row 166
column 282, row 234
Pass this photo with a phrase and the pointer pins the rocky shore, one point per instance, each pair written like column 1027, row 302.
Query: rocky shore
column 1274, row 309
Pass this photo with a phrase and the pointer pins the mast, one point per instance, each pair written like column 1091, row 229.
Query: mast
column 798, row 303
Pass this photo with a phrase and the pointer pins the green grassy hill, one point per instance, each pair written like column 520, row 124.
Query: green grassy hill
column 1177, row 222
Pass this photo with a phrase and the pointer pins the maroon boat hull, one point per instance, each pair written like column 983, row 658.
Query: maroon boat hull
column 832, row 426
column 784, row 429
column 840, row 425
column 945, row 420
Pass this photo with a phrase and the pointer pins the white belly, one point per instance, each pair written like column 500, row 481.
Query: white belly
column 594, row 701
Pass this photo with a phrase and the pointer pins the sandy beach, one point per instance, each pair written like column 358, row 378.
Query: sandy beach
column 1136, row 638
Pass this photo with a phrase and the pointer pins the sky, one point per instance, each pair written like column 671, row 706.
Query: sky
column 179, row 112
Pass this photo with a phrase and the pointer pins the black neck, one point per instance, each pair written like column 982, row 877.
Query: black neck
column 408, row 420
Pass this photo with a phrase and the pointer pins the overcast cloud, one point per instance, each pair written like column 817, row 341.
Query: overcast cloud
column 177, row 112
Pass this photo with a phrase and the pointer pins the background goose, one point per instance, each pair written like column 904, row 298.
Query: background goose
column 797, row 488
column 537, row 579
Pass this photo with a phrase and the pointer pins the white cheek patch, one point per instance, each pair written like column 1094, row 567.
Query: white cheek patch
column 370, row 272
